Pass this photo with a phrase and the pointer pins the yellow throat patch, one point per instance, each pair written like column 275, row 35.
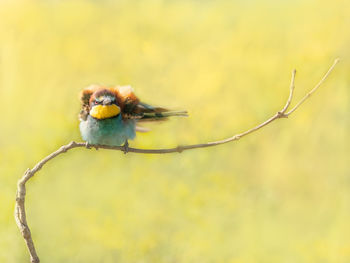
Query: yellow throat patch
column 104, row 111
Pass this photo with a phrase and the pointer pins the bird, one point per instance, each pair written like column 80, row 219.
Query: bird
column 110, row 115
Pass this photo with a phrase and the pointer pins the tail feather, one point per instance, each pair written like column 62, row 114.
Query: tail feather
column 160, row 116
column 144, row 107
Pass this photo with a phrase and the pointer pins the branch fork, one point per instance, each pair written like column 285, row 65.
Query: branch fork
column 20, row 214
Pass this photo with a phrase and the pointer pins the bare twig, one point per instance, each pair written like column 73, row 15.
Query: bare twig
column 20, row 214
column 314, row 89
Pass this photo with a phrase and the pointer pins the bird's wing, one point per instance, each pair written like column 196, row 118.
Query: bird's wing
column 126, row 99
column 133, row 108
column 143, row 112
column 85, row 96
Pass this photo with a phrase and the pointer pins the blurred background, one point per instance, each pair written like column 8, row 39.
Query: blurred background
column 281, row 194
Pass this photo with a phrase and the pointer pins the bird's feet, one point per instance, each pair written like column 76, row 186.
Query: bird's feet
column 125, row 147
column 89, row 146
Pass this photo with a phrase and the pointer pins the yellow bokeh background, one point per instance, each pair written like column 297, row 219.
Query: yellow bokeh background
column 279, row 195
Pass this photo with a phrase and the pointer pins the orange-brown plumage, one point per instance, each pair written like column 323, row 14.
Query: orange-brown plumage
column 124, row 95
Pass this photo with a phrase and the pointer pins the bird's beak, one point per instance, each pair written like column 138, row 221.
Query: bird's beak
column 107, row 101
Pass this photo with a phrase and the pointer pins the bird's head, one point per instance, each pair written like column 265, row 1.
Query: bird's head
column 103, row 104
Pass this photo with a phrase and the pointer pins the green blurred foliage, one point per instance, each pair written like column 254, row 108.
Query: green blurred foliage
column 279, row 195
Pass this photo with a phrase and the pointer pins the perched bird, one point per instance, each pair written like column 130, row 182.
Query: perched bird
column 109, row 115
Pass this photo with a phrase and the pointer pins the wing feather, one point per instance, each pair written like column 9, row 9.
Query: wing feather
column 85, row 96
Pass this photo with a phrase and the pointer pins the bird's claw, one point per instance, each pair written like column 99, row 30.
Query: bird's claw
column 125, row 147
column 89, row 146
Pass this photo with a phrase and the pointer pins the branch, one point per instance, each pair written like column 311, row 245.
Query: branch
column 314, row 89
column 20, row 214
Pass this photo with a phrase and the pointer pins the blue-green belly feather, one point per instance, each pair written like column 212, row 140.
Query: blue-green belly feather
column 112, row 131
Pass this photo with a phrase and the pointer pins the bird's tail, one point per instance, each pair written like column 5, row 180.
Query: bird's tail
column 161, row 115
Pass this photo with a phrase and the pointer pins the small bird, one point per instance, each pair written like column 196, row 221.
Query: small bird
column 109, row 115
